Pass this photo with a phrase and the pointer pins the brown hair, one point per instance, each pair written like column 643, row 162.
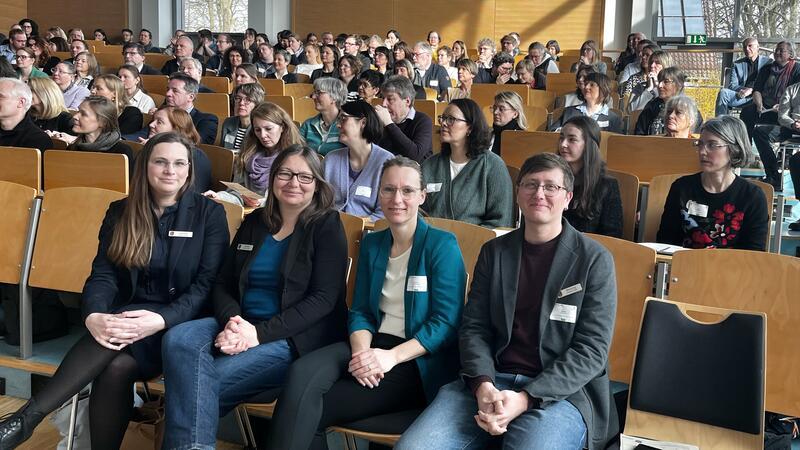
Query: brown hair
column 275, row 114
column 182, row 123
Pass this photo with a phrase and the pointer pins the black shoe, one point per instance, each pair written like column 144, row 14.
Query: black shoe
column 794, row 226
column 19, row 426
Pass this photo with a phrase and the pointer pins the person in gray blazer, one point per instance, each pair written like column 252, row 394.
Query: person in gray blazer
column 234, row 129
column 540, row 383
column 427, row 73
column 739, row 90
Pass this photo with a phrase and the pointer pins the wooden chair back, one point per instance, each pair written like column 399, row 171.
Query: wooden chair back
column 65, row 168
column 656, row 196
column 59, row 144
column 220, row 85
column 470, row 239
column 284, row 101
column 354, row 230
column 634, row 266
column 66, row 239
column 565, row 63
column 136, row 147
column 105, row 48
column 272, row 87
column 22, row 166
column 299, row 90
column 633, row 117
column 158, row 99
column 517, row 146
column 217, row 104
column 538, row 97
column 650, row 156
column 155, row 84
column 436, row 139
column 483, row 94
column 431, row 94
column 756, row 281
column 304, row 109
column 560, row 83
column 221, row 162
column 303, row 78
column 427, row 107
column 157, row 60
column 234, row 215
column 629, row 194
column 16, row 200
column 109, row 60
column 769, row 194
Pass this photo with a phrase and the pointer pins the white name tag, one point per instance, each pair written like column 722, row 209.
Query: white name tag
column 364, row 191
column 186, row 234
column 602, row 123
column 230, row 139
column 697, row 209
column 433, row 187
column 434, row 83
column 570, row 290
column 417, row 284
column 245, row 247
column 564, row 313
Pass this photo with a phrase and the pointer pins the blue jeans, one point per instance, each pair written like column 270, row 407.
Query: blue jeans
column 448, row 422
column 202, row 384
column 726, row 99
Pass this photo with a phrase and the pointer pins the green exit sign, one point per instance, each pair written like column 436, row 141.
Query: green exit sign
column 696, row 39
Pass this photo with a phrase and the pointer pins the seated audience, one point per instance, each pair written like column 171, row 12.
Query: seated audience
column 47, row 106
column 467, row 70
column 532, row 386
column 100, row 35
column 405, row 68
column 501, row 71
column 76, row 46
column 543, row 62
column 459, row 51
column 233, row 58
column 25, row 65
column 354, row 171
column 508, row 113
column 321, row 132
column 16, row 41
column 64, row 76
column 76, row 34
column 434, row 40
column 281, row 65
column 590, row 57
column 651, row 121
column 280, row 300
column 716, row 208
column 16, row 127
column 352, row 47
column 639, row 79
column 234, row 129
column 264, row 59
column 110, row 87
column 127, row 35
column 133, row 53
column 86, row 69
column 508, row 44
column 330, row 63
column 576, row 98
column 648, row 89
column 53, row 32
column 639, row 64
column 526, row 73
column 787, row 127
column 224, row 42
column 680, row 117
column 629, row 55
column 739, row 90
column 181, row 92
column 146, row 41
column 401, row 50
column 406, row 131
column 132, row 295
column 392, row 37
column 29, row 26
column 596, row 206
column 401, row 347
column 349, row 69
column 44, row 61
column 184, row 48
column 96, row 129
column 596, row 99
column 245, row 74
column 133, row 89
column 445, row 59
column 427, row 73
column 313, row 61
column 466, row 181
column 369, row 85
column 295, row 50
column 194, row 68
column 57, row 44
column 486, row 51
column 384, row 61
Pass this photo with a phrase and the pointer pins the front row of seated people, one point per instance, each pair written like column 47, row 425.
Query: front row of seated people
column 277, row 298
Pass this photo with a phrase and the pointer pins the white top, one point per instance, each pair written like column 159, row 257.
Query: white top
column 306, row 69
column 452, row 72
column 392, row 303
column 455, row 168
column 142, row 101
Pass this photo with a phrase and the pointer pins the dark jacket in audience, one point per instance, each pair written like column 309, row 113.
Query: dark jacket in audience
column 651, row 122
column 607, row 217
column 26, row 134
column 411, row 138
column 497, row 133
column 206, row 125
column 607, row 122
column 320, row 73
column 289, row 78
column 130, row 121
column 149, row 70
column 202, row 171
column 435, row 77
column 61, row 123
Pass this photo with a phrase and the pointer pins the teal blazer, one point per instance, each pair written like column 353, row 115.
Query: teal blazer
column 431, row 317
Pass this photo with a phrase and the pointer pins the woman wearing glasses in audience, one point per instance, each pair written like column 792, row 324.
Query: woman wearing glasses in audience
column 44, row 60
column 507, row 114
column 47, row 106
column 111, row 87
column 716, row 208
column 596, row 205
column 354, row 171
column 648, row 88
column 144, row 281
column 576, row 98
column 279, row 295
column 271, row 131
column 25, row 67
column 64, row 76
column 596, row 99
column 403, row 325
column 466, row 181
column 651, row 120
column 680, row 115
column 132, row 82
column 234, row 129
column 86, row 69
column 321, row 132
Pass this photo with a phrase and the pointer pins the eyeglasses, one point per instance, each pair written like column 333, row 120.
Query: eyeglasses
column 500, row 109
column 164, row 164
column 302, row 177
column 711, row 146
column 239, row 99
column 343, row 117
column 667, row 81
column 24, row 57
column 449, row 120
column 317, row 93
column 350, row 43
column 550, row 189
column 390, row 192
column 130, row 53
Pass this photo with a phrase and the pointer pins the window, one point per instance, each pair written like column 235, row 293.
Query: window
column 677, row 18
column 216, row 15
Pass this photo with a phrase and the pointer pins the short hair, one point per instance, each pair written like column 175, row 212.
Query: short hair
column 387, row 52
column 355, row 62
column 480, row 134
column 334, row 87
column 204, row 33
column 447, row 50
column 508, row 39
column 194, row 61
column 502, row 58
column 190, row 85
column 145, row 30
column 21, row 90
column 406, row 64
column 467, row 64
column 424, row 46
column 733, row 131
column 675, row 74
column 15, row 32
column 252, row 91
column 284, row 54
column 403, row 161
column 662, row 56
column 400, row 85
column 553, row 43
column 516, row 103
column 126, row 29
column 402, row 46
column 250, row 69
column 134, row 71
column 106, row 112
column 133, row 46
column 358, row 38
column 525, row 64
column 603, row 82
column 186, row 38
column 748, row 40
column 50, row 97
column 547, row 161
column 182, row 123
column 536, row 45
column 373, row 128
column 683, row 104
column 488, row 42
column 373, row 77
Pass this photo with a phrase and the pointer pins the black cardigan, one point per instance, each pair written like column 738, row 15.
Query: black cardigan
column 130, row 120
column 608, row 218
column 312, row 310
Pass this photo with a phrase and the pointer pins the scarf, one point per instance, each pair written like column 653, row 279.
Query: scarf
column 784, row 75
column 258, row 171
column 103, row 142
column 497, row 131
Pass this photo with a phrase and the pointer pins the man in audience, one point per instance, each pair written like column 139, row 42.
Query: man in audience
column 543, row 63
column 75, row 33
column 146, row 39
column 127, row 36
column 224, row 42
column 534, row 336
column 133, row 53
column 194, row 68
column 788, row 126
column 16, row 41
column 486, row 50
column 427, row 73
column 373, row 43
column 181, row 92
column 509, row 45
column 406, row 131
column 634, row 67
column 170, row 49
column 296, row 50
column 327, row 38
column 501, row 71
column 352, row 46
column 184, row 48
column 16, row 128
column 743, row 77
column 770, row 85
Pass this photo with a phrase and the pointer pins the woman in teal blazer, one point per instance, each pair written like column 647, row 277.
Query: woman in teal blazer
column 403, row 325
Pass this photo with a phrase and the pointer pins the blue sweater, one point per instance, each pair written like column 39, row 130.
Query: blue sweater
column 358, row 197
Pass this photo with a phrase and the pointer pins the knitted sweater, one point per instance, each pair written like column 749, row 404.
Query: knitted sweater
column 358, row 197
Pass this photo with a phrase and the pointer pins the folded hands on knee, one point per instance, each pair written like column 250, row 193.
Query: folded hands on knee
column 496, row 409
column 116, row 331
column 237, row 336
column 369, row 366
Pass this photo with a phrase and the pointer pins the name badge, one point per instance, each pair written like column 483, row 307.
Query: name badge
column 434, row 83
column 570, row 290
column 564, row 313
column 417, row 284
column 184, row 234
column 697, row 209
column 364, row 191
column 433, row 187
column 602, row 123
column 230, row 139
column 245, row 247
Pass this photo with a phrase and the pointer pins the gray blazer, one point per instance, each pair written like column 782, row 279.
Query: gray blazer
column 574, row 355
column 229, row 128
column 738, row 76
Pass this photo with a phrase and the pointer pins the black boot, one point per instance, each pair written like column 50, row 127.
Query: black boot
column 19, row 427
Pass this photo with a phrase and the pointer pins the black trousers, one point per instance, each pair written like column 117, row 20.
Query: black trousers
column 320, row 393
column 764, row 136
column 794, row 170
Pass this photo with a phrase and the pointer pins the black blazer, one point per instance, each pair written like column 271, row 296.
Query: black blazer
column 313, row 311
column 611, row 122
column 193, row 263
column 289, row 78
column 206, row 124
column 149, row 70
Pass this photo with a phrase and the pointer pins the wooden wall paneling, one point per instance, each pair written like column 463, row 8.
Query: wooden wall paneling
column 10, row 13
column 110, row 15
column 468, row 20
column 341, row 16
column 570, row 22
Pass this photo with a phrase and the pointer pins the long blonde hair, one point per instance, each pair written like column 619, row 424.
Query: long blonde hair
column 115, row 85
column 275, row 114
column 50, row 97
